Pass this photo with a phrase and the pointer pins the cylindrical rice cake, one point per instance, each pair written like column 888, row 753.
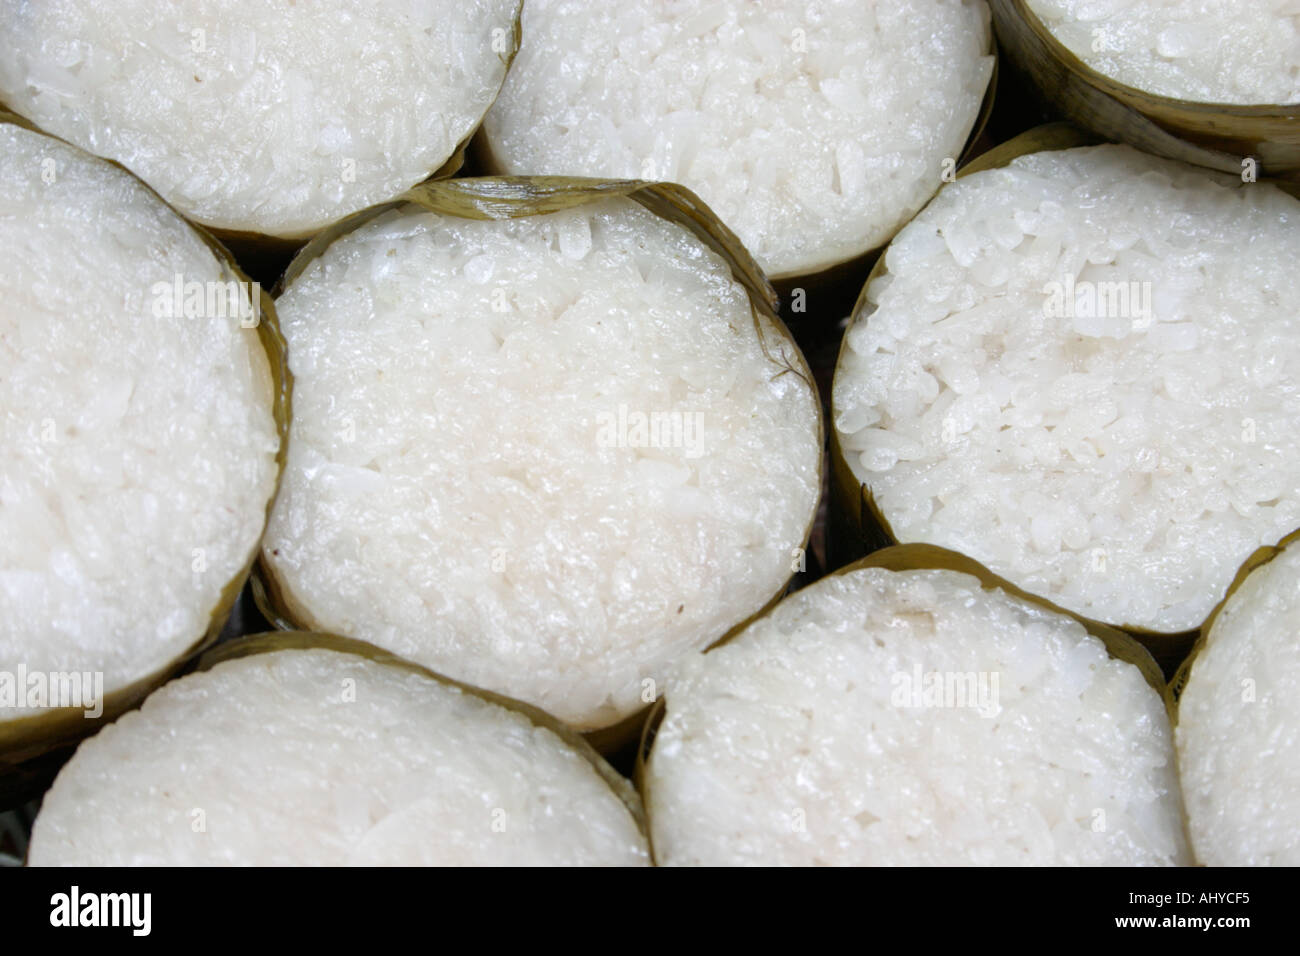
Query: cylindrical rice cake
column 1082, row 369
column 263, row 118
column 813, row 129
column 1239, row 724
column 141, row 402
column 1204, row 51
column 912, row 718
column 318, row 757
column 544, row 455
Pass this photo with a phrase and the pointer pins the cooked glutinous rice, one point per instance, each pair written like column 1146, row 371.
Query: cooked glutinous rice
column 314, row 757
column 1208, row 51
column 544, row 455
column 1239, row 725
column 1083, row 370
column 912, row 718
column 272, row 118
column 813, row 129
column 137, row 445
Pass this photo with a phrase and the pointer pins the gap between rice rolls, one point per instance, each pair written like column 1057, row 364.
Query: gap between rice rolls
column 813, row 130
column 548, row 436
column 1210, row 82
column 262, row 120
column 295, row 749
column 143, row 403
column 1081, row 367
column 1238, row 719
column 909, row 710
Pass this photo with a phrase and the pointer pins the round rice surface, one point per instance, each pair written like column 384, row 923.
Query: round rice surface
column 322, row 758
column 545, row 456
column 813, row 129
column 137, row 445
column 913, row 719
column 1239, row 725
column 273, row 118
column 1205, row 51
column 1083, row 370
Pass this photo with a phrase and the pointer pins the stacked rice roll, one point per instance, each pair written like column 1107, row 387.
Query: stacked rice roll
column 545, row 440
column 1082, row 368
column 271, row 119
column 303, row 750
column 903, row 714
column 813, row 129
column 143, row 396
column 1239, row 721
